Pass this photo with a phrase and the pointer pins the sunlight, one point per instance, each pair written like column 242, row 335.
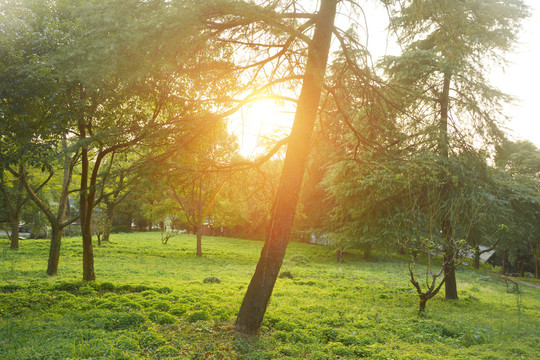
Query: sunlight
column 260, row 124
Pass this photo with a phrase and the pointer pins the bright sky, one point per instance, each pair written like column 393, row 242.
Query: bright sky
column 521, row 79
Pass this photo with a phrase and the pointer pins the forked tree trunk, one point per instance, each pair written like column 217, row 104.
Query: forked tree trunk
column 54, row 250
column 260, row 288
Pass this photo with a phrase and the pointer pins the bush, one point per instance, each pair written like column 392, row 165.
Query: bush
column 212, row 280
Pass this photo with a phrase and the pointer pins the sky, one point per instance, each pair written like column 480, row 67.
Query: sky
column 520, row 79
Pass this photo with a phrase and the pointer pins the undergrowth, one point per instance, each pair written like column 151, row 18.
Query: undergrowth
column 155, row 301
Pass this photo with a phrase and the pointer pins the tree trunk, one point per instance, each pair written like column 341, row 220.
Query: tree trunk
column 367, row 251
column 88, row 254
column 86, row 203
column 504, row 262
column 108, row 223
column 450, row 285
column 339, row 254
column 536, row 267
column 422, row 304
column 477, row 257
column 54, row 251
column 199, row 241
column 15, row 233
column 260, row 288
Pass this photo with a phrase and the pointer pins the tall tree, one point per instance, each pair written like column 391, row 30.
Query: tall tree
column 260, row 288
column 449, row 46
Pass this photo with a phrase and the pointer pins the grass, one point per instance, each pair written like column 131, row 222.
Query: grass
column 161, row 301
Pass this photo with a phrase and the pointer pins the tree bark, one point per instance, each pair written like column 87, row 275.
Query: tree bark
column 54, row 250
column 450, row 285
column 86, row 206
column 108, row 222
column 199, row 241
column 260, row 288
column 14, row 232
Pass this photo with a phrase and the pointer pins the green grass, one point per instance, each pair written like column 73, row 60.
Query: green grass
column 151, row 301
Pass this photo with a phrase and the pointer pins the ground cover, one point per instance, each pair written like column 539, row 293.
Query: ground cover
column 161, row 301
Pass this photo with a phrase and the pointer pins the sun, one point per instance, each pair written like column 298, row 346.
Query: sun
column 261, row 123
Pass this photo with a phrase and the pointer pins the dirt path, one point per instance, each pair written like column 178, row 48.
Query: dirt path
column 526, row 283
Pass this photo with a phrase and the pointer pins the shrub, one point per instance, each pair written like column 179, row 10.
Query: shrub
column 211, row 280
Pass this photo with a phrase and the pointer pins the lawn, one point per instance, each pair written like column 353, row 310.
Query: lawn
column 155, row 301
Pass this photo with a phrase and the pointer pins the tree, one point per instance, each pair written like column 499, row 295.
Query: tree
column 519, row 163
column 260, row 288
column 194, row 179
column 447, row 46
column 113, row 104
